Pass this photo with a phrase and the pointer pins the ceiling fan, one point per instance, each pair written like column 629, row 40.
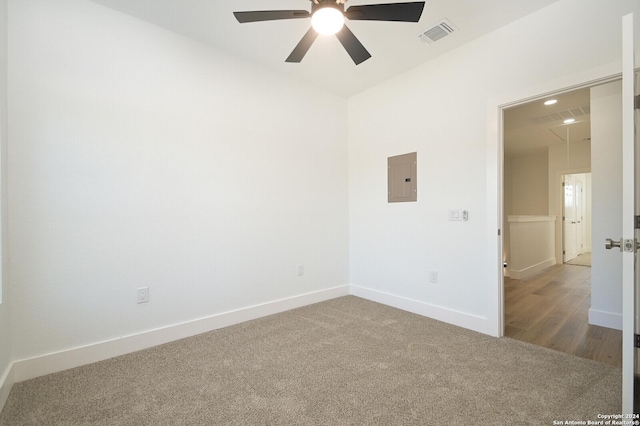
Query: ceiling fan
column 328, row 16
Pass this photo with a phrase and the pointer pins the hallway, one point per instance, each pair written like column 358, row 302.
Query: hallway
column 551, row 309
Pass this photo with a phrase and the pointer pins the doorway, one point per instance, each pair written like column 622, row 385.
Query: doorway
column 576, row 219
column 540, row 149
column 551, row 306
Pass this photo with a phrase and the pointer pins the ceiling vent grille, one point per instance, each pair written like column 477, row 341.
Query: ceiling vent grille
column 563, row 115
column 437, row 31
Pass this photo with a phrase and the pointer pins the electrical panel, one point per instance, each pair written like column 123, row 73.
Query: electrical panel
column 402, row 182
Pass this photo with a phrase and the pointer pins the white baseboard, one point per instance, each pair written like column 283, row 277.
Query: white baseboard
column 530, row 270
column 51, row 363
column 461, row 319
column 6, row 383
column 605, row 319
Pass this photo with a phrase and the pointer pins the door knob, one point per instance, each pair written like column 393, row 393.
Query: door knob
column 609, row 244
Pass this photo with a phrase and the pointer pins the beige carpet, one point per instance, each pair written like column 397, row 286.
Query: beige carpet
column 347, row 361
column 583, row 259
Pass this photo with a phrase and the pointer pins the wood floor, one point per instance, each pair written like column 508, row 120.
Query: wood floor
column 551, row 308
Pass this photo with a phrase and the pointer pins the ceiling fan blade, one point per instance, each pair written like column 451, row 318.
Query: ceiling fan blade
column 403, row 12
column 270, row 15
column 303, row 46
column 352, row 45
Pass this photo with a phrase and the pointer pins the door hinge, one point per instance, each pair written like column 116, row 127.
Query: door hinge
column 636, row 340
column 636, row 102
column 637, row 224
column 498, row 232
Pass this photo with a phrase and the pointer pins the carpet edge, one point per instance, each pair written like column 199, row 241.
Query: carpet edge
column 6, row 383
column 41, row 365
column 450, row 316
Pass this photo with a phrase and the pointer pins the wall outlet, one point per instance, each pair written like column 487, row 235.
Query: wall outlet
column 143, row 294
column 300, row 270
column 433, row 277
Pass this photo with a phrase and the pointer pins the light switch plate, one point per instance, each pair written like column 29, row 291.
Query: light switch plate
column 455, row 214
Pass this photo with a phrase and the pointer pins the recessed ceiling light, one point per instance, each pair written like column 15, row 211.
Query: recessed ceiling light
column 569, row 120
column 550, row 102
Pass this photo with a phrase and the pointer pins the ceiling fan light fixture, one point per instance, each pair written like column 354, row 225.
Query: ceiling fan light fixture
column 328, row 17
column 327, row 20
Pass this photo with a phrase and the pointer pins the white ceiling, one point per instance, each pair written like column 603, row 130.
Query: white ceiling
column 394, row 46
column 534, row 126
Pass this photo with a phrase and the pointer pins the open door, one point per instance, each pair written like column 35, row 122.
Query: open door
column 569, row 220
column 580, row 213
column 573, row 216
column 633, row 261
column 629, row 241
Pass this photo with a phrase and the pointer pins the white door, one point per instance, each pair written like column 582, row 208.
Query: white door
column 569, row 221
column 630, row 277
column 579, row 197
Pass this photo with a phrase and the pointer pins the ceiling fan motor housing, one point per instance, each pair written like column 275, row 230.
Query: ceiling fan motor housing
column 321, row 4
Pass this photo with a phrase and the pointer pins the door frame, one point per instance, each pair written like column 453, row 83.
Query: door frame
column 495, row 186
column 495, row 173
column 559, row 199
column 560, row 174
column 564, row 232
column 580, row 212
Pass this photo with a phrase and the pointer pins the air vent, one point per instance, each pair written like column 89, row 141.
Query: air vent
column 574, row 112
column 437, row 31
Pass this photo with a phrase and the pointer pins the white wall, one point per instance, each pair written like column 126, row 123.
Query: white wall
column 531, row 245
column 447, row 111
column 606, row 145
column 525, row 190
column 538, row 179
column 529, row 186
column 5, row 331
column 141, row 158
